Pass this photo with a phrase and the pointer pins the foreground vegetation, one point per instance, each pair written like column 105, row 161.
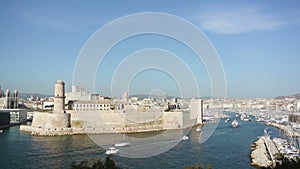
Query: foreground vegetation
column 198, row 166
column 96, row 164
column 110, row 164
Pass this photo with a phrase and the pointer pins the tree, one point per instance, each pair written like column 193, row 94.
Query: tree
column 109, row 163
column 95, row 164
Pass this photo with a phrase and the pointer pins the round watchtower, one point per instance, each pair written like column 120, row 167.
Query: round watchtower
column 59, row 97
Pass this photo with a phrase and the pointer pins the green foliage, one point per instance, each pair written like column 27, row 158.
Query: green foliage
column 209, row 166
column 98, row 164
column 109, row 163
column 198, row 166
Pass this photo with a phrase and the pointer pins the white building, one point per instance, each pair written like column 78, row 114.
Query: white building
column 78, row 93
column 92, row 105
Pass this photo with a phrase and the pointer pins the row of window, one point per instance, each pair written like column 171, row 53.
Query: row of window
column 91, row 108
column 91, row 105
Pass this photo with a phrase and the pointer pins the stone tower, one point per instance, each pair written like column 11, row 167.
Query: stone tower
column 57, row 122
column 59, row 97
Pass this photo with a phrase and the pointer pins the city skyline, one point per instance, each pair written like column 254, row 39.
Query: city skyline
column 257, row 43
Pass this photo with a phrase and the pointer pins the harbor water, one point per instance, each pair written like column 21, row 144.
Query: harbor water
column 227, row 148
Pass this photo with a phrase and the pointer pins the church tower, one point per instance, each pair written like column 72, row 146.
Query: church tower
column 16, row 100
column 7, row 99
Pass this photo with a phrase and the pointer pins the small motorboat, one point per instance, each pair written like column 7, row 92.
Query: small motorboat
column 198, row 129
column 122, row 144
column 185, row 138
column 111, row 150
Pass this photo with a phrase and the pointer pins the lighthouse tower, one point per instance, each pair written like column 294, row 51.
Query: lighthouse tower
column 59, row 97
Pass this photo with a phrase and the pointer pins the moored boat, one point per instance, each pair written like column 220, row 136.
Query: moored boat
column 185, row 138
column 227, row 120
column 198, row 129
column 234, row 123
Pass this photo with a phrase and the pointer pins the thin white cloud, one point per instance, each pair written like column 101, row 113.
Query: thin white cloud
column 242, row 20
column 62, row 23
column 48, row 21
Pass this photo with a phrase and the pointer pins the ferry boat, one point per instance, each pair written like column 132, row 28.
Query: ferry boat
column 234, row 123
column 111, row 150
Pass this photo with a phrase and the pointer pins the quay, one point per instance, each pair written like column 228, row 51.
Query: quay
column 286, row 129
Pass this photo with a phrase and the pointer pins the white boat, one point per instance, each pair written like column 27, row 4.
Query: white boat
column 111, row 150
column 1, row 131
column 234, row 123
column 185, row 138
column 122, row 144
column 247, row 119
column 227, row 120
column 198, row 129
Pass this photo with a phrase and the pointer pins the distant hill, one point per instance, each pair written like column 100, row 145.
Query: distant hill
column 297, row 96
column 28, row 95
column 142, row 96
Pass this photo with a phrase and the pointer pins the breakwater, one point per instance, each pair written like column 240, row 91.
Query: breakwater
column 264, row 152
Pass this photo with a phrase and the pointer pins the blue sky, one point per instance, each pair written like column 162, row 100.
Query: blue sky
column 258, row 43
